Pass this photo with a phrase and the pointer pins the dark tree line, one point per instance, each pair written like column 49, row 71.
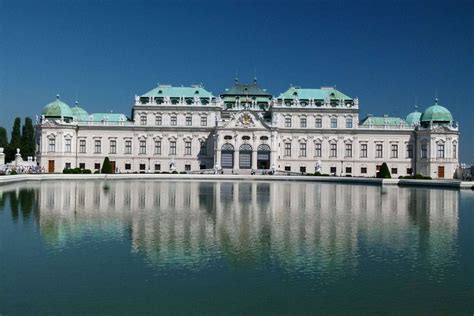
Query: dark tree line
column 22, row 137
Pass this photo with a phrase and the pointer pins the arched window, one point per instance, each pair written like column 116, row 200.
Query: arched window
column 263, row 147
column 245, row 147
column 333, row 122
column 228, row 147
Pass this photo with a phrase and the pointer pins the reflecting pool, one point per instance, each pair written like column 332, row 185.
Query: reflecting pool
column 197, row 247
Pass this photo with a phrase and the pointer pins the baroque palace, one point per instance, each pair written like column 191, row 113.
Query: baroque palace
column 246, row 128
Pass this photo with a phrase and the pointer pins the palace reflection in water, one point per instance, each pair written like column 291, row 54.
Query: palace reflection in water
column 318, row 230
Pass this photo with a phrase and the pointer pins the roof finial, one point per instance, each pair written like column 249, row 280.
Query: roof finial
column 57, row 96
column 236, row 79
column 77, row 103
column 436, row 97
column 255, row 76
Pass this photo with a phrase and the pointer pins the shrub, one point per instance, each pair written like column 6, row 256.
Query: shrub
column 86, row 171
column 106, row 166
column 325, row 175
column 183, row 172
column 384, row 172
column 317, row 173
column 174, row 172
column 165, row 172
column 13, row 172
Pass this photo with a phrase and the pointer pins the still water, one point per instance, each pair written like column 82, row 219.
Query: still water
column 126, row 247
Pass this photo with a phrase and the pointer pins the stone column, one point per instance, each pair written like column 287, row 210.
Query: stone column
column 254, row 158
column 236, row 158
column 2, row 156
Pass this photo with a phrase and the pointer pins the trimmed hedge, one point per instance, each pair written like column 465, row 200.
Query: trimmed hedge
column 416, row 177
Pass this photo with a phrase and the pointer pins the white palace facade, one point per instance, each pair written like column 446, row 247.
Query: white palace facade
column 177, row 129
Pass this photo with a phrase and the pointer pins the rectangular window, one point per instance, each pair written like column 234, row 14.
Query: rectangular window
column 203, row 148
column 157, row 167
column 348, row 150
column 203, row 120
column 319, row 122
column 440, row 151
column 174, row 120
column 317, row 150
column 157, row 147
column 97, row 146
column 363, row 150
column 128, row 166
column 303, row 122
column 189, row 120
column 287, row 149
column 187, row 167
column 52, row 145
column 82, row 146
column 67, row 146
column 394, row 151
column 287, row 121
column 333, row 170
column 142, row 168
column 142, row 119
column 333, row 150
column 409, row 171
column 424, row 150
column 455, row 151
column 302, row 149
column 410, row 151
column 348, row 170
column 82, row 165
column 97, row 166
column 68, row 165
column 363, row 170
column 349, row 122
column 128, row 146
column 378, row 151
column 333, row 122
column 187, row 147
column 142, row 147
column 303, row 169
column 173, row 147
column 394, row 170
column 287, row 168
column 158, row 120
column 113, row 146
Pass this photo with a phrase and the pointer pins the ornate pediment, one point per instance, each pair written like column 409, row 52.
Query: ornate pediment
column 246, row 119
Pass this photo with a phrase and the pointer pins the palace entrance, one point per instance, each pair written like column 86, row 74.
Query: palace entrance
column 440, row 172
column 50, row 166
column 245, row 156
column 263, row 156
column 227, row 156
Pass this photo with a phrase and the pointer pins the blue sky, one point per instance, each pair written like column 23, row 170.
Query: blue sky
column 389, row 54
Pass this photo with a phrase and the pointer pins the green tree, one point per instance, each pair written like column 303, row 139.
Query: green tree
column 384, row 172
column 15, row 140
column 106, row 166
column 28, row 139
column 3, row 138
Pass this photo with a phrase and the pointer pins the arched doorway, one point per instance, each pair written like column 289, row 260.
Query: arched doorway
column 227, row 156
column 245, row 156
column 263, row 156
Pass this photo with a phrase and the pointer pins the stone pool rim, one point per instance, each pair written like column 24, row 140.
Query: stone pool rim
column 452, row 184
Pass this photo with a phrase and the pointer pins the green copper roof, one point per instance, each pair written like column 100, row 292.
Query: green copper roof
column 57, row 108
column 318, row 94
column 436, row 113
column 170, row 91
column 109, row 117
column 413, row 118
column 382, row 121
column 244, row 89
column 79, row 113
